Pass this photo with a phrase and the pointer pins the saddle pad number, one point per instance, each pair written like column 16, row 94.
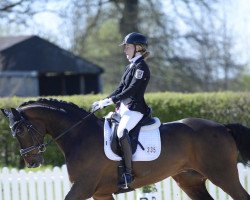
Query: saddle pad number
column 151, row 150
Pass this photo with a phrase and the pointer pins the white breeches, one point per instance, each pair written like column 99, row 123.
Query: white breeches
column 129, row 120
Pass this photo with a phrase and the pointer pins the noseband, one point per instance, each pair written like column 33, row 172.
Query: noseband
column 31, row 129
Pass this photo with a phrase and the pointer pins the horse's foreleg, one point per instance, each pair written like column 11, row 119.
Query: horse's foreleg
column 80, row 191
column 103, row 197
column 193, row 184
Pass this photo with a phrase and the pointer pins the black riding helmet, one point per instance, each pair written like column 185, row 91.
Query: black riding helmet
column 135, row 38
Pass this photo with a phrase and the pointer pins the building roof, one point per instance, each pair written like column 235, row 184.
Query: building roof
column 24, row 53
column 7, row 42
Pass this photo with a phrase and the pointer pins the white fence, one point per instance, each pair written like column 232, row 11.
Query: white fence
column 54, row 185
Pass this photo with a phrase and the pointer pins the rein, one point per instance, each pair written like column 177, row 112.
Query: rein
column 69, row 129
column 42, row 147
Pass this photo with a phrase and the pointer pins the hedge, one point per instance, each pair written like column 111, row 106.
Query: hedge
column 223, row 107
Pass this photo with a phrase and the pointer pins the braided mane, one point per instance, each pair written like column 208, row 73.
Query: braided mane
column 55, row 104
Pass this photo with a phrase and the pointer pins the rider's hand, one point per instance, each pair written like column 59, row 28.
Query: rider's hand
column 95, row 106
column 101, row 104
column 105, row 102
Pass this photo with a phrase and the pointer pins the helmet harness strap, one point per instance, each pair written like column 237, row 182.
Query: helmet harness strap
column 135, row 51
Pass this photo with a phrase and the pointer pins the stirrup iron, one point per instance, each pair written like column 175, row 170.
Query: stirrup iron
column 126, row 182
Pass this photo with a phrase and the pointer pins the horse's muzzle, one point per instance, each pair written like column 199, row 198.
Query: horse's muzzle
column 33, row 160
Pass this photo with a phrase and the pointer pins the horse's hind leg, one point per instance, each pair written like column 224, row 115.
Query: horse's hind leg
column 193, row 184
column 228, row 180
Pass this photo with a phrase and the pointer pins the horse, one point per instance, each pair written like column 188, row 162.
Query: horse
column 193, row 150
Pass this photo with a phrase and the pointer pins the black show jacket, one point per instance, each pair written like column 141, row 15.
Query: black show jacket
column 132, row 87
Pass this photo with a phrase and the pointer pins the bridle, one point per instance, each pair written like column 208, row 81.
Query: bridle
column 32, row 130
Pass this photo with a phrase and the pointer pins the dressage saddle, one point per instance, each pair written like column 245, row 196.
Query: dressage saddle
column 133, row 134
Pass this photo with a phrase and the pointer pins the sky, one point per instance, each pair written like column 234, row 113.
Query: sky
column 239, row 20
column 237, row 12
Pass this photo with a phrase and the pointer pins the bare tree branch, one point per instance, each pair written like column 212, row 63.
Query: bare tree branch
column 8, row 6
column 94, row 21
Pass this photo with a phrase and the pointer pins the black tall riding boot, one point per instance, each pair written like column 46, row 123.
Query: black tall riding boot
column 127, row 158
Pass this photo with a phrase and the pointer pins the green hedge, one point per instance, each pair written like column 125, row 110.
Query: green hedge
column 224, row 107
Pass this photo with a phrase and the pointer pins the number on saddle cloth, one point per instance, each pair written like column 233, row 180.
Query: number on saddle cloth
column 133, row 134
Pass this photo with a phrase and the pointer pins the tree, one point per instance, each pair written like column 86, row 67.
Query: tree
column 186, row 44
column 209, row 45
column 19, row 11
column 167, row 64
column 128, row 18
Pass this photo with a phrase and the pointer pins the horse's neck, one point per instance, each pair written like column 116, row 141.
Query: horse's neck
column 70, row 134
column 54, row 122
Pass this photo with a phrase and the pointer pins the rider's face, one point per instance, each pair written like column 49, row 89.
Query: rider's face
column 129, row 50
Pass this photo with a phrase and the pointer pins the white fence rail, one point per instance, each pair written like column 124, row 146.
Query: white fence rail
column 54, row 185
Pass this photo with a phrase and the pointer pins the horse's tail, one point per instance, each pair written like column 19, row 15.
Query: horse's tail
column 241, row 135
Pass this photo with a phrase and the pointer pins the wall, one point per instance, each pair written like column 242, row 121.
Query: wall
column 19, row 84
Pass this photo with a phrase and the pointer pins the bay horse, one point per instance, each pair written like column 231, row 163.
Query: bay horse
column 193, row 150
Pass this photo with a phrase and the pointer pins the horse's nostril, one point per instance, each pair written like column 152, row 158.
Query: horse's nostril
column 34, row 165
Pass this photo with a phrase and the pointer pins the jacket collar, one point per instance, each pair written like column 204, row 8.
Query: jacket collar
column 138, row 60
column 134, row 60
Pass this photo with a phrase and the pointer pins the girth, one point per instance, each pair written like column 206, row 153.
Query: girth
column 133, row 134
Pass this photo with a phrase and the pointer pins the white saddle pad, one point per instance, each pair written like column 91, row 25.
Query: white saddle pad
column 149, row 137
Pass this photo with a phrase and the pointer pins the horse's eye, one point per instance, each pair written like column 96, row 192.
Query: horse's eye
column 19, row 131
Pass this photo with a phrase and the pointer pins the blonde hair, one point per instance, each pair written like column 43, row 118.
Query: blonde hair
column 143, row 50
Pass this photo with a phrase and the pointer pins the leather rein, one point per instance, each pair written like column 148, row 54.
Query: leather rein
column 31, row 129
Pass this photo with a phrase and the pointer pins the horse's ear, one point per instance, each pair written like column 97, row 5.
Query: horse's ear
column 15, row 113
column 6, row 112
column 10, row 112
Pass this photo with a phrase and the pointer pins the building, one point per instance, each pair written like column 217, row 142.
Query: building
column 32, row 66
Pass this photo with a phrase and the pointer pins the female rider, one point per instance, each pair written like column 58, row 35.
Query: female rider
column 129, row 96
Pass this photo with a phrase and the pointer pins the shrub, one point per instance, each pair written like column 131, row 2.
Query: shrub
column 223, row 107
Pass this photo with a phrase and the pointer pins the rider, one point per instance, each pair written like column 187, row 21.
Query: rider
column 129, row 96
